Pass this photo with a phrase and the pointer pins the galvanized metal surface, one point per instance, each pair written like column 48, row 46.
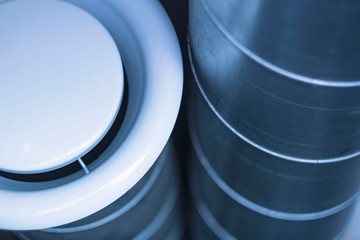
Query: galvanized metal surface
column 275, row 183
column 314, row 39
column 283, row 76
column 352, row 231
column 150, row 210
column 222, row 216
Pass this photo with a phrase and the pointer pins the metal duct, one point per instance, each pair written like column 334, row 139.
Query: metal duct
column 250, row 194
column 269, row 77
column 274, row 122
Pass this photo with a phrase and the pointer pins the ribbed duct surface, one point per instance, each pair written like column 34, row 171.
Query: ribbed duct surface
column 273, row 118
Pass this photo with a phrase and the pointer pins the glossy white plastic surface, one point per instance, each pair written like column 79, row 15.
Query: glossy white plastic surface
column 61, row 82
column 143, row 33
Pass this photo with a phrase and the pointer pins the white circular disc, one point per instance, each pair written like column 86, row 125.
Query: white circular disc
column 151, row 54
column 61, row 84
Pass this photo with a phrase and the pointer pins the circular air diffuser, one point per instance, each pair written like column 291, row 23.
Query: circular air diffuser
column 62, row 84
column 76, row 134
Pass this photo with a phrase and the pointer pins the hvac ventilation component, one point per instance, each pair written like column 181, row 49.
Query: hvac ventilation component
column 146, row 211
column 242, row 192
column 265, row 179
column 284, row 76
column 351, row 231
column 221, row 216
column 276, row 134
column 77, row 135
